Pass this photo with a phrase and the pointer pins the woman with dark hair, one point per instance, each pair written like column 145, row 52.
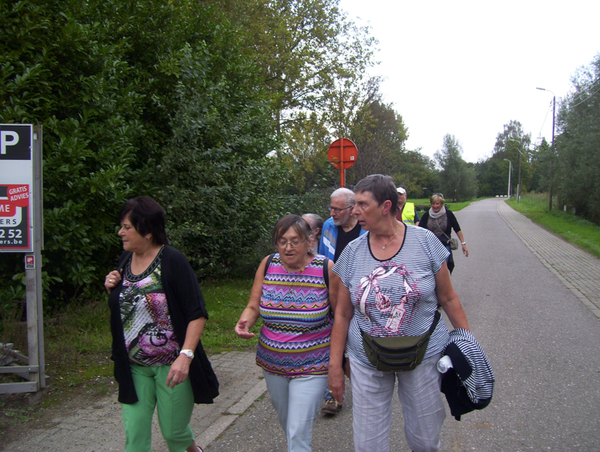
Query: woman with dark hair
column 157, row 318
column 392, row 280
column 441, row 221
column 291, row 295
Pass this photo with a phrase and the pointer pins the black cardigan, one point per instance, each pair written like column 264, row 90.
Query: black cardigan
column 185, row 303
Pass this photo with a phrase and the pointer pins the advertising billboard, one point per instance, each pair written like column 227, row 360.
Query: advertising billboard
column 16, row 184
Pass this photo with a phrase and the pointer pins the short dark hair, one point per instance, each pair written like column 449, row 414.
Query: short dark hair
column 381, row 187
column 147, row 217
column 291, row 221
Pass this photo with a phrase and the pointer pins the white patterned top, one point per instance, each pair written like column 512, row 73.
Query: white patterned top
column 395, row 297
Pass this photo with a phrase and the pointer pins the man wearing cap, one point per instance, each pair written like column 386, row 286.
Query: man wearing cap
column 406, row 210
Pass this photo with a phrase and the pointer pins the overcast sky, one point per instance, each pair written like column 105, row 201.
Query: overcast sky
column 468, row 67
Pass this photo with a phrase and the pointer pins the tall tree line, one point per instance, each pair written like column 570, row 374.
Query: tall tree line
column 569, row 167
column 223, row 110
column 185, row 101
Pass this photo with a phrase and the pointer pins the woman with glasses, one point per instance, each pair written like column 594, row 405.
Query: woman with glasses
column 440, row 220
column 291, row 295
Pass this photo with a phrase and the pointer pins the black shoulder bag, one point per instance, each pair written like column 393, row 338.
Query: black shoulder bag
column 398, row 353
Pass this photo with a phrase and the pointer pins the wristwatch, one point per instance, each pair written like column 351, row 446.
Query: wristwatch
column 463, row 243
column 187, row 352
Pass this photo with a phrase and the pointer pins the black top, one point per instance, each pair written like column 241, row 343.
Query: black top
column 185, row 303
column 344, row 238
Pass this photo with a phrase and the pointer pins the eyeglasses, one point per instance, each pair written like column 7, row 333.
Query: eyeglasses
column 293, row 243
column 336, row 210
column 438, row 194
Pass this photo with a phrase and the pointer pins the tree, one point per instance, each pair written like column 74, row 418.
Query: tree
column 457, row 178
column 512, row 144
column 57, row 71
column 379, row 134
column 578, row 145
column 305, row 155
column 417, row 174
column 305, row 48
column 104, row 80
column 220, row 189
column 543, row 162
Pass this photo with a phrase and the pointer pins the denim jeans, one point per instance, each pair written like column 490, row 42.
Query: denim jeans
column 297, row 402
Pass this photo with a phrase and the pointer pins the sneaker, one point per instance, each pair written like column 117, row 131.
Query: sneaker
column 331, row 406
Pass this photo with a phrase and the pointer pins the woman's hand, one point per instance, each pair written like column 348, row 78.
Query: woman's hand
column 461, row 237
column 252, row 311
column 179, row 371
column 111, row 280
column 241, row 329
column 336, row 383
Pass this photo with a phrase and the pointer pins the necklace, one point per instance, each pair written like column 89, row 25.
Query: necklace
column 300, row 269
column 388, row 242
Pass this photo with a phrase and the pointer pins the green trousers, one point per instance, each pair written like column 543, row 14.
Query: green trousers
column 174, row 409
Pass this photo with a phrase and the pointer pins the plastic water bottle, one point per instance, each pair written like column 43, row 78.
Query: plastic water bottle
column 444, row 364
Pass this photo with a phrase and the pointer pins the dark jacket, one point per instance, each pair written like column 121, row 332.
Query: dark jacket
column 469, row 384
column 185, row 303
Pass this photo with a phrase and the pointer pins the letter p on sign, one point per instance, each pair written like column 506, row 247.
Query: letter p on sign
column 8, row 138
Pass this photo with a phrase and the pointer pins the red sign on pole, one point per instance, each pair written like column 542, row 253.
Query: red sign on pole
column 343, row 153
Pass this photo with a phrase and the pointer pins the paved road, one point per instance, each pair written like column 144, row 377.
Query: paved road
column 532, row 303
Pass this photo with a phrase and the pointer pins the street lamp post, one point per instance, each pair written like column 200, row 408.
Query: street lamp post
column 552, row 156
column 519, row 183
column 520, row 154
column 509, row 171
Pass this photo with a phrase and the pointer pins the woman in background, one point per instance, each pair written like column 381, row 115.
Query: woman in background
column 316, row 225
column 441, row 221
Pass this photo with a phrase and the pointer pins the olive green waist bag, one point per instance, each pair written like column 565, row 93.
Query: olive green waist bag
column 398, row 353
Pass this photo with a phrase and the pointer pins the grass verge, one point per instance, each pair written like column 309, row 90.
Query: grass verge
column 572, row 228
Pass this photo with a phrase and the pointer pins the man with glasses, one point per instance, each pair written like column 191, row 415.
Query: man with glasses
column 406, row 210
column 338, row 231
column 342, row 227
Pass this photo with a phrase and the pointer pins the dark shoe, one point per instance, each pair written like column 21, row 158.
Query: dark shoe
column 331, row 407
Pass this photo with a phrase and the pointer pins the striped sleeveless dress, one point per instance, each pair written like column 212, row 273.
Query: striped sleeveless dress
column 295, row 336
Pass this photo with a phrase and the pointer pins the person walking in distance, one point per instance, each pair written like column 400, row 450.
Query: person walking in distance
column 316, row 225
column 406, row 212
column 338, row 231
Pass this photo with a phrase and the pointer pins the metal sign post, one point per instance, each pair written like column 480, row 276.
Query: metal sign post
column 21, row 232
column 342, row 154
